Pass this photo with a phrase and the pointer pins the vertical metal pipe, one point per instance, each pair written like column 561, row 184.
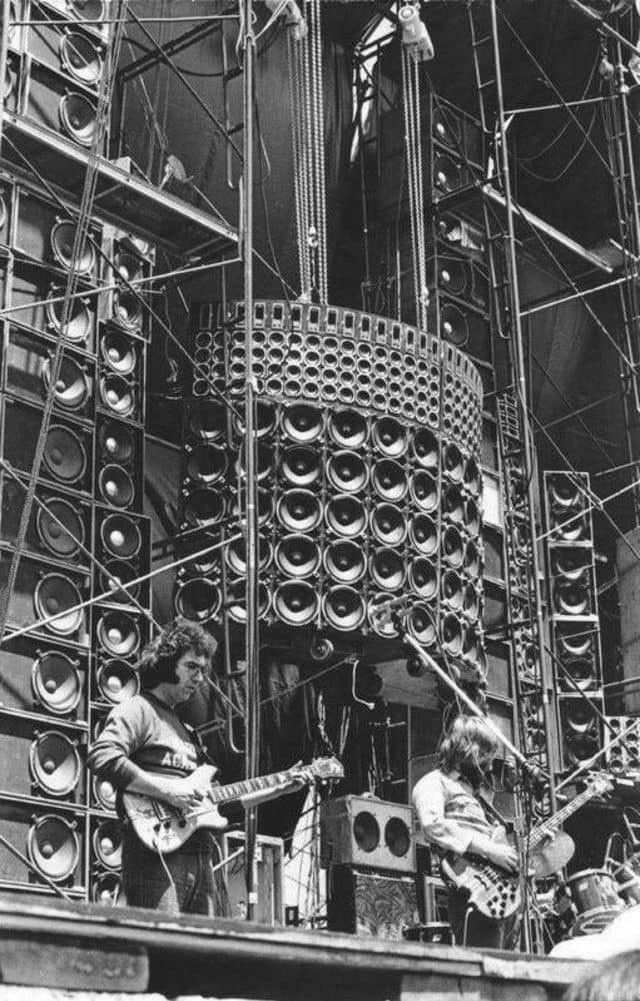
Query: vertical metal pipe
column 4, row 40
column 251, row 492
column 520, row 373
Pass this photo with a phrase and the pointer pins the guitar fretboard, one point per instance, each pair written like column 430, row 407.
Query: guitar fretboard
column 237, row 790
column 549, row 826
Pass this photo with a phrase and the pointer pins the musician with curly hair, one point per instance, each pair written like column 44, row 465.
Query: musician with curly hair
column 453, row 807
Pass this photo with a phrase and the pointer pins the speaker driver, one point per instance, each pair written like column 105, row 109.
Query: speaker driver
column 296, row 603
column 118, row 352
column 301, row 465
column 117, row 581
column 446, row 129
column 447, row 175
column 452, row 589
column 237, row 600
column 471, row 602
column 472, row 476
column 208, row 421
column 420, row 625
column 453, row 463
column 105, row 793
column 203, row 507
column 425, row 449
column 381, row 622
column 117, row 681
column 454, row 276
column 53, row 847
column 579, row 718
column 348, row 429
column 389, row 480
column 366, row 831
column 299, row 511
column 472, row 559
column 86, row 10
column 343, row 608
column 389, row 437
column 471, row 516
column 107, row 844
column 56, row 595
column 265, row 505
column 106, row 889
column 297, row 556
column 117, row 394
column 344, row 561
column 121, row 536
column 60, row 528
column 264, row 464
column 571, row 598
column 571, row 564
column 424, row 490
column 72, row 388
column 265, row 419
column 78, row 325
column 387, row 569
column 582, row 671
column 127, row 309
column 423, row 578
column 575, row 644
column 56, row 682
column 453, row 551
column 236, row 555
column 565, row 493
column 302, row 423
column 423, row 534
column 116, row 442
column 54, row 763
column 454, row 326
column 206, row 464
column 127, row 264
column 397, row 837
column 198, row 599
column 388, row 524
column 62, row 241
column 451, row 633
column 454, row 504
column 570, row 527
column 116, row 486
column 347, row 472
column 118, row 634
column 81, row 58
column 78, row 118
column 346, row 515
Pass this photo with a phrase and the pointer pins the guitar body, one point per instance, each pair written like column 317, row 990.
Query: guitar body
column 491, row 890
column 163, row 828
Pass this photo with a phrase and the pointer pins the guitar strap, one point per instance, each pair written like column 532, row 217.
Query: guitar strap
column 490, row 809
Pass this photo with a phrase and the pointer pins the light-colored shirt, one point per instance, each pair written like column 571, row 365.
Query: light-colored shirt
column 451, row 814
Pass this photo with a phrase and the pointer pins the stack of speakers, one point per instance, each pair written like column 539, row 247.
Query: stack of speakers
column 623, row 756
column 86, row 538
column 56, row 50
column 368, row 479
column 573, row 607
column 369, row 851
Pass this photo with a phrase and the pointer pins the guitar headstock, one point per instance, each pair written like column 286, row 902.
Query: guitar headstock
column 325, row 769
column 599, row 783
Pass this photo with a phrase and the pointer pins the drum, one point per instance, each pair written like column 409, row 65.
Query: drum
column 595, row 897
column 627, row 877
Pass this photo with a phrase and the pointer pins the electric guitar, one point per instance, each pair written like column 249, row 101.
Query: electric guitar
column 165, row 828
column 496, row 893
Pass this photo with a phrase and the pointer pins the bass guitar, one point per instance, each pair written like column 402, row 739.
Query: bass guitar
column 165, row 828
column 495, row 892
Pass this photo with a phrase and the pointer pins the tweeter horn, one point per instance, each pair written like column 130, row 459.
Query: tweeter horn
column 57, row 595
column 60, row 528
column 56, row 682
column 297, row 556
column 55, row 763
column 117, row 681
column 53, row 847
column 198, row 599
column 344, row 561
column 343, row 608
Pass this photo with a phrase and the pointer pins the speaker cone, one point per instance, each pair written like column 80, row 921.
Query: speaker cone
column 388, row 524
column 387, row 569
column 265, row 505
column 299, row 511
column 127, row 265
column 346, row 515
column 236, row 555
column 347, row 472
column 57, row 595
column 237, row 600
column 117, row 394
column 452, row 589
column 53, row 847
column 453, row 463
column 78, row 118
column 302, row 423
column 446, row 129
column 472, row 559
column 301, row 465
column 471, row 602
column 453, row 504
column 423, row 578
column 106, row 889
column 297, row 556
column 579, row 718
column 117, row 579
column 366, row 831
column 471, row 516
column 198, row 599
column 60, row 528
column 118, row 351
column 425, row 449
column 127, row 309
column 296, row 602
column 454, row 276
column 423, row 534
column 62, row 240
column 575, row 644
column 121, row 536
column 451, row 633
column 343, row 608
column 203, row 507
column 389, row 437
column 397, row 837
column 81, row 58
column 116, row 442
column 56, row 683
column 104, row 793
column 582, row 671
column 107, row 844
column 472, row 476
column 453, row 551
column 72, row 388
column 54, row 763
column 78, row 325
column 570, row 527
column 424, row 490
column 206, row 464
column 454, row 326
column 571, row 564
column 571, row 598
column 389, row 480
column 381, row 622
column 87, row 10
column 118, row 634
column 344, row 561
column 565, row 493
column 264, row 464
column 116, row 486
column 264, row 423
column 348, row 429
column 447, row 174
column 117, row 681
column 208, row 421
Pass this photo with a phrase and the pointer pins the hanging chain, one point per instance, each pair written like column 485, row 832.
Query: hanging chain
column 415, row 180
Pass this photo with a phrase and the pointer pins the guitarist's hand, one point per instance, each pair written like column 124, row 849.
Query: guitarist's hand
column 502, row 855
column 190, row 791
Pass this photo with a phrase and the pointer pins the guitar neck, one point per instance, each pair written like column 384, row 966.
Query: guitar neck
column 237, row 790
column 553, row 823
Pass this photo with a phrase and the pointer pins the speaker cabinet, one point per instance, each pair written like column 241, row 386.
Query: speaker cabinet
column 370, row 904
column 44, row 678
column 39, row 760
column 36, row 295
column 27, row 374
column 362, row 830
column 268, row 877
column 46, row 236
column 68, row 453
column 49, row 597
column 59, row 527
column 53, row 842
